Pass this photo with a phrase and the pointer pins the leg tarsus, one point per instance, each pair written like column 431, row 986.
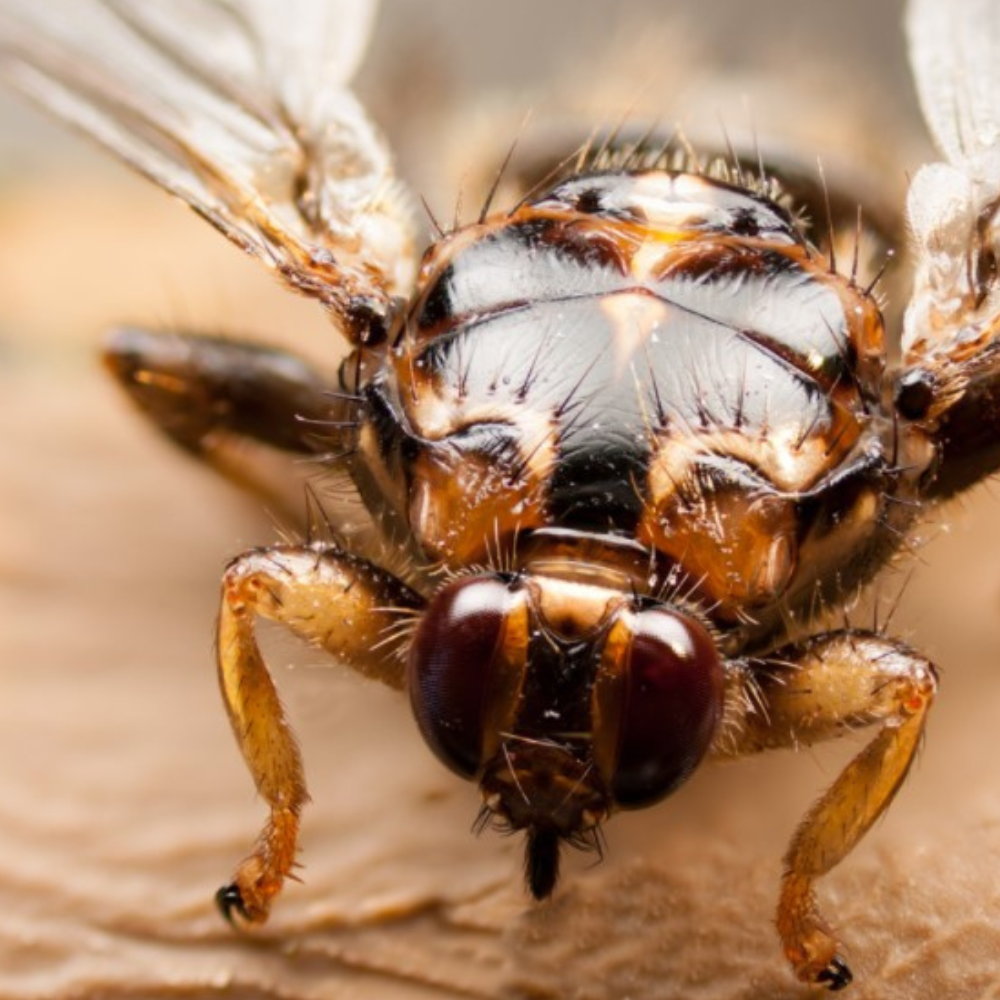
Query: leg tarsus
column 259, row 877
column 229, row 901
column 811, row 947
column 836, row 976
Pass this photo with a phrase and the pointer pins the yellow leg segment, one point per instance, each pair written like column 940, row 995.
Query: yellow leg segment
column 828, row 686
column 339, row 603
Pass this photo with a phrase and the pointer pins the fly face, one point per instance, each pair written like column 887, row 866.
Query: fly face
column 581, row 702
column 616, row 445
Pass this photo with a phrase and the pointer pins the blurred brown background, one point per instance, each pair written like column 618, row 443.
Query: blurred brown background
column 123, row 803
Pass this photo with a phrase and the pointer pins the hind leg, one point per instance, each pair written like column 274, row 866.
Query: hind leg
column 255, row 414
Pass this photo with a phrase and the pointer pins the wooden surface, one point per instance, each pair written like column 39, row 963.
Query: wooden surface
column 123, row 804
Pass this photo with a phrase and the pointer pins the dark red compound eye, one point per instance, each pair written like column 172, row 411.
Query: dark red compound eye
column 454, row 664
column 657, row 702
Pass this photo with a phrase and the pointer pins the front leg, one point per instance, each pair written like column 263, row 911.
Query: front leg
column 828, row 686
column 335, row 601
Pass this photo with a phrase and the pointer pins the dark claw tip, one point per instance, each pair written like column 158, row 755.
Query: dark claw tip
column 229, row 900
column 836, row 975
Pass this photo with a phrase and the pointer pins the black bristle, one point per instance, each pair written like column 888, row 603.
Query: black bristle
column 541, row 861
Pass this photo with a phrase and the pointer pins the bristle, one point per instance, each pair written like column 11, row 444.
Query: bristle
column 438, row 228
column 541, row 861
column 830, row 228
column 501, row 170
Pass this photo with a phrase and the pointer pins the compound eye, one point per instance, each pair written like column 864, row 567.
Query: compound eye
column 456, row 666
column 657, row 702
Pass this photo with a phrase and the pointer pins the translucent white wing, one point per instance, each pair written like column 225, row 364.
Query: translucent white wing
column 955, row 56
column 242, row 109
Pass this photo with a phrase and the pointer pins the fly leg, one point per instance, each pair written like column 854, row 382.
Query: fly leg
column 253, row 413
column 947, row 391
column 337, row 602
column 825, row 687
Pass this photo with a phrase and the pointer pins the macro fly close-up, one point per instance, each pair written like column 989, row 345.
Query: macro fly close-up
column 605, row 460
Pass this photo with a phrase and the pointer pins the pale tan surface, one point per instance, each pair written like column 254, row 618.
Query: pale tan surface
column 123, row 804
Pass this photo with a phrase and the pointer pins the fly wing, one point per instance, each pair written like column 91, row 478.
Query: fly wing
column 242, row 108
column 954, row 45
column 955, row 56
